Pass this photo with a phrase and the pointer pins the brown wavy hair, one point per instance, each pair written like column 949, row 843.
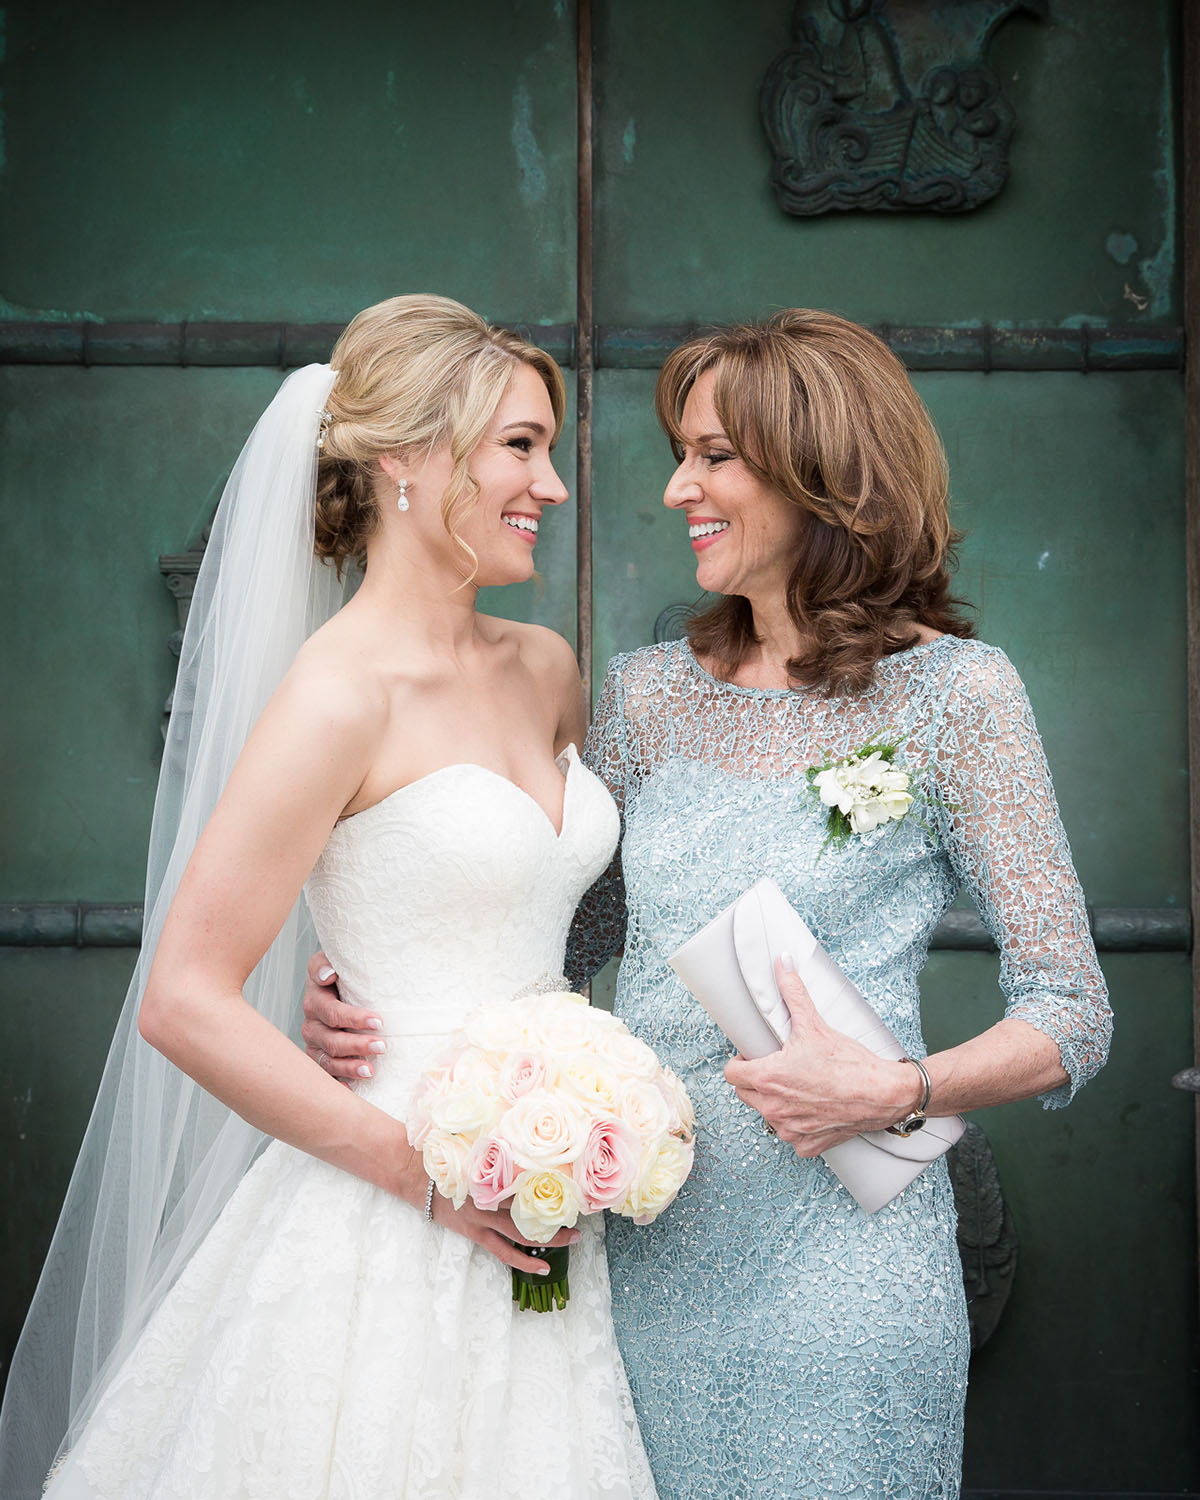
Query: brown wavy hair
column 413, row 372
column 824, row 412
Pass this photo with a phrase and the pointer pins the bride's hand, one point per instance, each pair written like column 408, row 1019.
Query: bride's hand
column 493, row 1230
column 821, row 1088
column 340, row 1038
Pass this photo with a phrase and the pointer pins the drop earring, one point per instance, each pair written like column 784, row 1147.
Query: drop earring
column 402, row 497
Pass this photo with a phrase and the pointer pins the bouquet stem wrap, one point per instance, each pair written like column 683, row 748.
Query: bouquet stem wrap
column 543, row 1293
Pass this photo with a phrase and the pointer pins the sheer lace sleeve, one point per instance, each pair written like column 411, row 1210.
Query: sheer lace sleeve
column 598, row 931
column 1007, row 844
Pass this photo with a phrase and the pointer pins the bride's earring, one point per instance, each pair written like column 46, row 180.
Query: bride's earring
column 402, row 497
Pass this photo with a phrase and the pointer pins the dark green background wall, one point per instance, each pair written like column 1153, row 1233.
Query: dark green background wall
column 266, row 163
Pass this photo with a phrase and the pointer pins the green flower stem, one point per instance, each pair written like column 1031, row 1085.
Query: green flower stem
column 543, row 1293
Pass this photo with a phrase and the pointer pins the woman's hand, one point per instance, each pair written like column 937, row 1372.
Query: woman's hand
column 342, row 1039
column 821, row 1088
column 494, row 1231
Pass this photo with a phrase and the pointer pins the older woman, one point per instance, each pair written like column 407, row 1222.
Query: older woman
column 779, row 1340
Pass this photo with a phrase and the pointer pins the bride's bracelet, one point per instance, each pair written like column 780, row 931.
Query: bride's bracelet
column 429, row 1192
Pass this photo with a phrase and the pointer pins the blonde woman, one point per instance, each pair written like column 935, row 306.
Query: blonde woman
column 327, row 1326
column 780, row 1341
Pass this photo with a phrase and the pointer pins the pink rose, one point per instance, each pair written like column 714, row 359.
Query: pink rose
column 491, row 1172
column 608, row 1164
column 520, row 1074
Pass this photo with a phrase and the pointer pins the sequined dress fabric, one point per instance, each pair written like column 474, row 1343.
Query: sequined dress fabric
column 779, row 1341
column 326, row 1343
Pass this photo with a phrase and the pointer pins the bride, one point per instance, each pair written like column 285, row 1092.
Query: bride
column 413, row 771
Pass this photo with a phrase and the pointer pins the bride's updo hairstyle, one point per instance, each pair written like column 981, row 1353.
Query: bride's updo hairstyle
column 824, row 412
column 413, row 372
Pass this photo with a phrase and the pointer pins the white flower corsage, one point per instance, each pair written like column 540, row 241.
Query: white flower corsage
column 862, row 791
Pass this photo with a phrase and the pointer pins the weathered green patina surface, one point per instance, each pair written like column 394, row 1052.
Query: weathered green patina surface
column 210, row 167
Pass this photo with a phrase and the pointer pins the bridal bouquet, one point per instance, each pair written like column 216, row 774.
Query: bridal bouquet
column 552, row 1108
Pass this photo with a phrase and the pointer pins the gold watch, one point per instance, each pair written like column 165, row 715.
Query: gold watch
column 915, row 1118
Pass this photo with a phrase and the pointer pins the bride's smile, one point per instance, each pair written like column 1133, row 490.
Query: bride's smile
column 491, row 539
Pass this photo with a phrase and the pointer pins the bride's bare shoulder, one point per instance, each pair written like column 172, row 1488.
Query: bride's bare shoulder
column 337, row 681
column 542, row 650
column 547, row 663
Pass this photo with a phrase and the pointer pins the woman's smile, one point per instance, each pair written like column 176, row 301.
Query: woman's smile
column 704, row 531
column 526, row 526
column 747, row 545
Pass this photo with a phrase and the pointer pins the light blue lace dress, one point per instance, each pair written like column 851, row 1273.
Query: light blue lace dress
column 780, row 1342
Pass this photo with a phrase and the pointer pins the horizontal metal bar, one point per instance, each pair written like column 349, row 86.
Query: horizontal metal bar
column 1117, row 929
column 1090, row 348
column 282, row 345
column 1093, row 347
column 1141, row 929
column 79, row 924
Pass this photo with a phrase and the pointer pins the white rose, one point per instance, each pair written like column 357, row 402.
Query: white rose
column 544, row 1203
column 592, row 1078
column 563, row 997
column 663, row 1172
column 544, row 1130
column 466, row 1112
column 624, row 1052
column 477, row 1070
column 445, row 1159
column 603, row 1020
column 565, row 1024
column 496, row 1028
column 683, row 1112
column 644, row 1109
column 434, row 1084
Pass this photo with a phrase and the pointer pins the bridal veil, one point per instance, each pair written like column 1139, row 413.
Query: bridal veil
column 160, row 1156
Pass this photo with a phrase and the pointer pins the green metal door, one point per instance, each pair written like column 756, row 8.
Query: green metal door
column 197, row 197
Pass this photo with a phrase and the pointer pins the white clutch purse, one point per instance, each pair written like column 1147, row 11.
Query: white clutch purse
column 730, row 968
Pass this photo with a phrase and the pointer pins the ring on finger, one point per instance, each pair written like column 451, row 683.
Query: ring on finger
column 321, row 1056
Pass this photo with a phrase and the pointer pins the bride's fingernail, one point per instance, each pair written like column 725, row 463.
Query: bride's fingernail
column 575, row 1238
column 326, row 973
column 787, row 963
column 374, row 1023
column 376, row 1046
column 543, row 1269
column 363, row 1070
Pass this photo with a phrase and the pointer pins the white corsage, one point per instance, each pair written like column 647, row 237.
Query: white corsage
column 862, row 791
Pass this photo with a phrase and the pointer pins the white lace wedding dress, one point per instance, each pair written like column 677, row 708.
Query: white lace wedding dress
column 326, row 1343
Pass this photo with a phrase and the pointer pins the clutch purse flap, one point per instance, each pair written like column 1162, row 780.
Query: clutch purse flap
column 766, row 924
column 709, row 966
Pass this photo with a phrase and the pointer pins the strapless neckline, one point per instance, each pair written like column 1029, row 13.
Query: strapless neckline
column 567, row 760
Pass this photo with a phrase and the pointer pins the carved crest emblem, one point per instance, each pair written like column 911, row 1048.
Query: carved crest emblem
column 889, row 104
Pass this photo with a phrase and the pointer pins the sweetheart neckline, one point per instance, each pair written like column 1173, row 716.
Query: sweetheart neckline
column 570, row 755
